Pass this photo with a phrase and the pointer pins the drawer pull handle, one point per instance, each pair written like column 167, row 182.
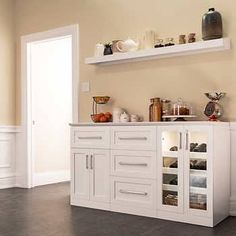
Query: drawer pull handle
column 132, row 164
column 180, row 140
column 132, row 138
column 91, row 162
column 133, row 192
column 92, row 137
column 187, row 140
column 87, row 161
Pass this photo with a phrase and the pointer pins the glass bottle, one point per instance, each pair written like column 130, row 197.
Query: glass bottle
column 180, row 108
column 212, row 25
column 165, row 107
column 155, row 110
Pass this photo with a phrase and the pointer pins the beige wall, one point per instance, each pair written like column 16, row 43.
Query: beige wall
column 131, row 85
column 7, row 63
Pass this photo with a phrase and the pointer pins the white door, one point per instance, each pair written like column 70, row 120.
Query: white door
column 51, row 79
column 99, row 175
column 80, row 186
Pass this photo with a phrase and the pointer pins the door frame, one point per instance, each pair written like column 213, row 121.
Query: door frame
column 25, row 162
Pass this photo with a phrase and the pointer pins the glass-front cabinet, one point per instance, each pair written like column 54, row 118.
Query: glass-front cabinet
column 171, row 169
column 197, row 170
column 184, row 165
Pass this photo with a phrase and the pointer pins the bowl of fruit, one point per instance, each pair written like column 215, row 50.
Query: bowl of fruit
column 102, row 117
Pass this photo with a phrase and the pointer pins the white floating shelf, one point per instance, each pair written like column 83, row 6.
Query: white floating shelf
column 165, row 52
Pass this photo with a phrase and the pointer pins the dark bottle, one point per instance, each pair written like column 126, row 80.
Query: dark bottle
column 107, row 49
column 212, row 27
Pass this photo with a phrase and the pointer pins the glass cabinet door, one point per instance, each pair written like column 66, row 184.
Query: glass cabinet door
column 171, row 169
column 198, row 164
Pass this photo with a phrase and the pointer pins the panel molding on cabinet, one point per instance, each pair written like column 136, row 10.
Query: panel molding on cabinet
column 100, row 176
column 90, row 170
column 80, row 174
column 127, row 192
column 134, row 138
column 137, row 164
column 87, row 137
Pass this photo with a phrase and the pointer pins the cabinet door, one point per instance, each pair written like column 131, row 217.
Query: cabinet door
column 99, row 175
column 198, row 170
column 80, row 174
column 170, row 168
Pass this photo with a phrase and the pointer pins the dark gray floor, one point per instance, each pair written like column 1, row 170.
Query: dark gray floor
column 45, row 211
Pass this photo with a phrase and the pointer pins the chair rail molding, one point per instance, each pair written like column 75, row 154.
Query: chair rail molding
column 8, row 156
column 233, row 167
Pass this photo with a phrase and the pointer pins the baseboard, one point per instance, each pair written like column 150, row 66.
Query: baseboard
column 7, row 182
column 232, row 211
column 51, row 177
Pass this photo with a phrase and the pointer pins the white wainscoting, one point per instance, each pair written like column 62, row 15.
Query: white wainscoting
column 7, row 156
column 233, row 170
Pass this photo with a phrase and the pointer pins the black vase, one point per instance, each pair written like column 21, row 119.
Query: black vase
column 212, row 27
column 108, row 50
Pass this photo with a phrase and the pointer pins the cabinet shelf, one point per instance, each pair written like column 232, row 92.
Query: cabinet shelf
column 198, row 155
column 158, row 53
column 198, row 190
column 170, row 154
column 202, row 173
column 169, row 187
column 167, row 170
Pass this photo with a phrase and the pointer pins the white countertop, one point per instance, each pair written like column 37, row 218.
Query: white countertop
column 145, row 123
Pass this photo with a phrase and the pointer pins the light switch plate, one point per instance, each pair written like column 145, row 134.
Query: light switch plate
column 85, row 86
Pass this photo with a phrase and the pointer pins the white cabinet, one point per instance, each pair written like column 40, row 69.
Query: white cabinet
column 90, row 176
column 188, row 183
column 170, row 170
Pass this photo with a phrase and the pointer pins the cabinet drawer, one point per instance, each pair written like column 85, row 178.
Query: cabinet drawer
column 134, row 138
column 133, row 192
column 139, row 164
column 90, row 137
